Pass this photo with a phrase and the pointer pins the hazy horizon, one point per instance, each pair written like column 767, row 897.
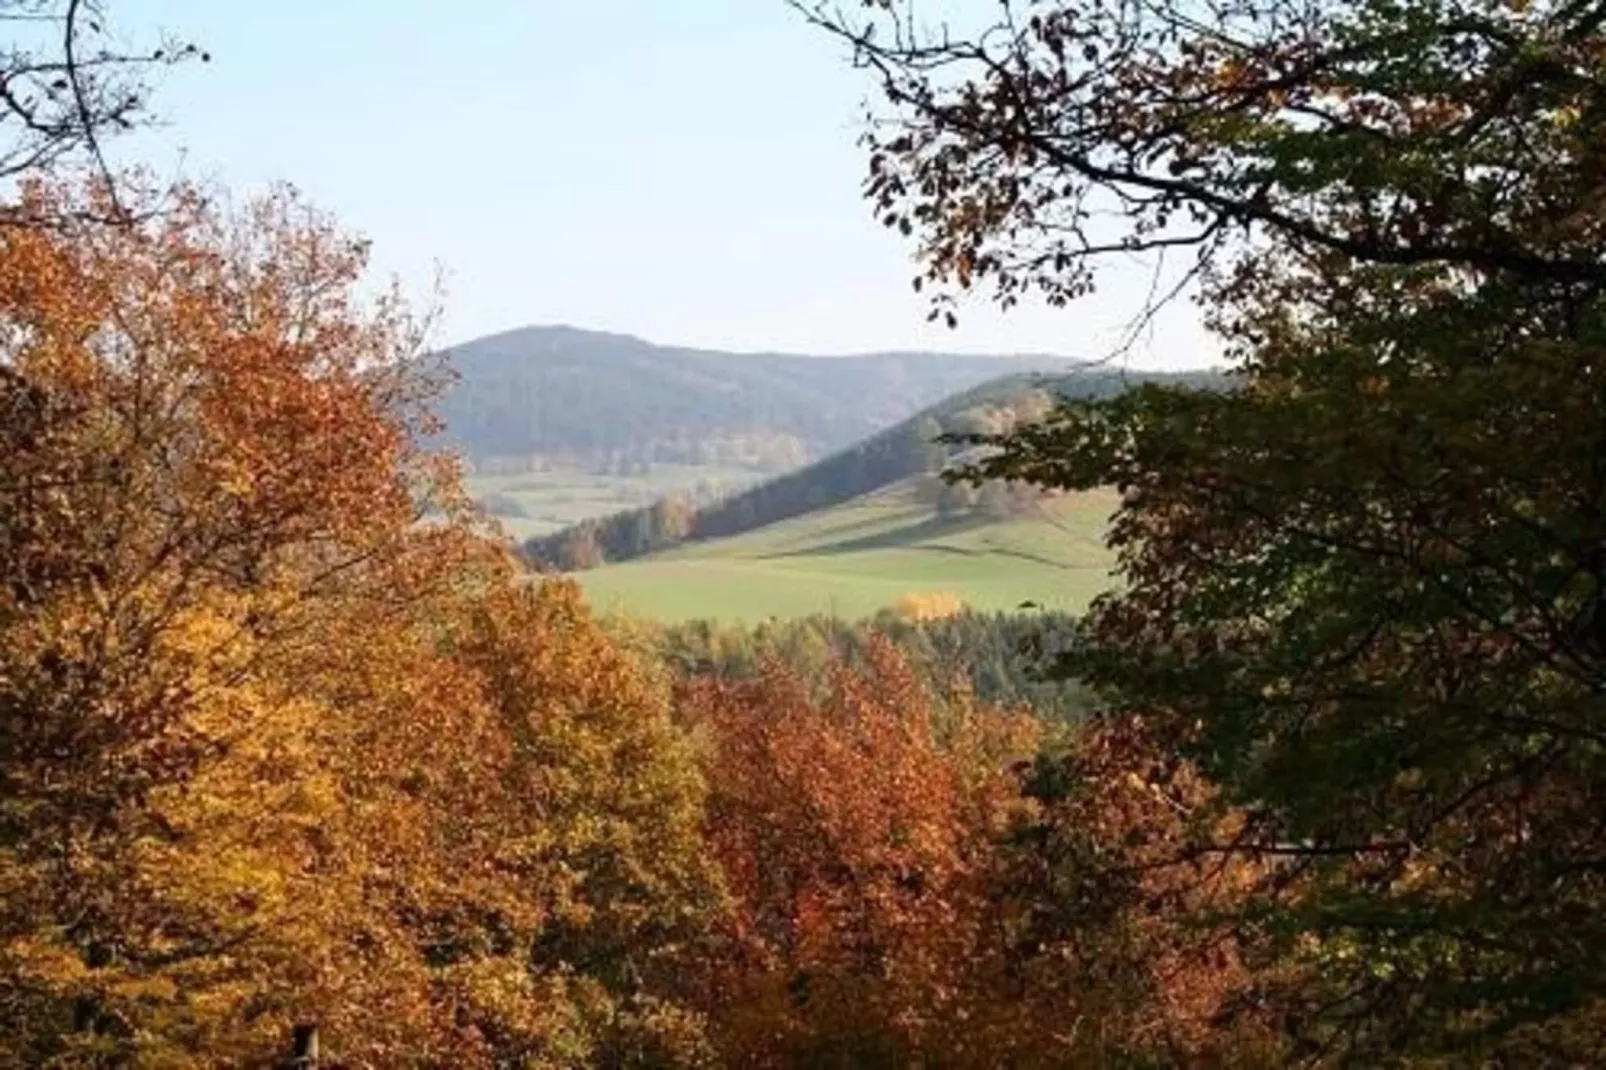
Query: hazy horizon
column 660, row 343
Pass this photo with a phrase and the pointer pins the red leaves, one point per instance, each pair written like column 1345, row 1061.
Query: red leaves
column 901, row 892
column 854, row 834
column 269, row 749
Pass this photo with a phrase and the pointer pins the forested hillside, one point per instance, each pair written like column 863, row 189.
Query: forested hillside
column 908, row 449
column 544, row 393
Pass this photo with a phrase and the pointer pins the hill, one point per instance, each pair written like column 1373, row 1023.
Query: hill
column 861, row 556
column 905, row 450
column 579, row 398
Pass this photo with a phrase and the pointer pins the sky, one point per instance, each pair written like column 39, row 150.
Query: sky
column 682, row 170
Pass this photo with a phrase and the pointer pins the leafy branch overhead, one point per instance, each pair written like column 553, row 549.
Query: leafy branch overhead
column 287, row 735
column 68, row 81
column 1365, row 590
column 1026, row 148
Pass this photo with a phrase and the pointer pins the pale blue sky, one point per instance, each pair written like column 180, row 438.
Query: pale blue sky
column 684, row 170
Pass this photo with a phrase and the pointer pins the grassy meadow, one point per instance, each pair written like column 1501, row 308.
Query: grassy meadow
column 867, row 554
column 544, row 502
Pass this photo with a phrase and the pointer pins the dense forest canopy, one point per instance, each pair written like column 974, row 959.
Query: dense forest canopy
column 996, row 659
column 275, row 754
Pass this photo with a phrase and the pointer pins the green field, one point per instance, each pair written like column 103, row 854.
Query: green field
column 550, row 501
column 865, row 555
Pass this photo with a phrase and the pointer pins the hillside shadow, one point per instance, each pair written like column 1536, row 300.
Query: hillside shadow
column 914, row 536
column 906, row 537
column 845, row 525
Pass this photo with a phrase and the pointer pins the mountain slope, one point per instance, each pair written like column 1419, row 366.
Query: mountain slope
column 559, row 391
column 899, row 452
column 858, row 557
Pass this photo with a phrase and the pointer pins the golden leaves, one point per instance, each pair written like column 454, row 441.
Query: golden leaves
column 272, row 750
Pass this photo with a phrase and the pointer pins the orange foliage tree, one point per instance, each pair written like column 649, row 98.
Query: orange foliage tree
column 1113, row 902
column 855, row 836
column 914, row 885
column 272, row 747
column 285, row 737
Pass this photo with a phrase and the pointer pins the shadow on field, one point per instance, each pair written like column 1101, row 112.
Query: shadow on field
column 905, row 537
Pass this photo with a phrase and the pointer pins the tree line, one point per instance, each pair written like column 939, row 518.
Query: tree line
column 997, row 660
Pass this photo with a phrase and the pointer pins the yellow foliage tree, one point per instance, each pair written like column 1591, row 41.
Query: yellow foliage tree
column 271, row 750
column 929, row 605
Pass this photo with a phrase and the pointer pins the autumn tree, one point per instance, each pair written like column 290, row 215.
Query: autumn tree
column 912, row 886
column 1114, row 915
column 273, row 748
column 928, row 605
column 1363, row 589
column 1463, row 134
column 600, row 840
column 854, row 833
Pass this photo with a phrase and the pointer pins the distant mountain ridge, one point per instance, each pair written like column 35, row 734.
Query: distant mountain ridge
column 563, row 391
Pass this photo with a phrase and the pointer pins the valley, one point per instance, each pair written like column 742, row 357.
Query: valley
column 559, row 425
column 680, row 484
column 673, row 498
column 533, row 504
column 377, row 691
